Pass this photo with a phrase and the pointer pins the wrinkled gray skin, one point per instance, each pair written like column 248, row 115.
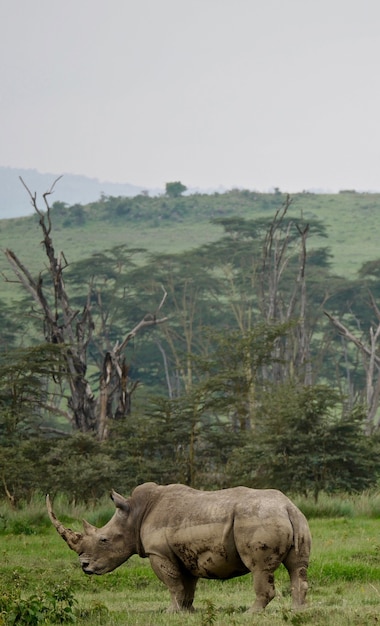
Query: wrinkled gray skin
column 189, row 534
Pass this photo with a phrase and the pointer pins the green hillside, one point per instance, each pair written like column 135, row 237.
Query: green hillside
column 163, row 224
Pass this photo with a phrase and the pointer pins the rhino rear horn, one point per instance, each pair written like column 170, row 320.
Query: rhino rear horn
column 72, row 538
column 88, row 528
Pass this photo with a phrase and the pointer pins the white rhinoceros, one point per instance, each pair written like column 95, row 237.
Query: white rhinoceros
column 189, row 534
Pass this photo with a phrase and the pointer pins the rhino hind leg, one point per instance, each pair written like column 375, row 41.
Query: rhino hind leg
column 297, row 565
column 181, row 584
column 262, row 562
column 263, row 584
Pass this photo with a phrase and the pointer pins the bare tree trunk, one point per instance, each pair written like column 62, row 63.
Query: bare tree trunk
column 114, row 381
column 74, row 329
column 294, row 355
column 10, row 496
column 303, row 334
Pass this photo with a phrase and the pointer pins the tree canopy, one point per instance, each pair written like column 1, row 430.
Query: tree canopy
column 175, row 189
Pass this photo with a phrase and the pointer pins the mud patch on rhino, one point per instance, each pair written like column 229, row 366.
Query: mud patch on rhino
column 188, row 557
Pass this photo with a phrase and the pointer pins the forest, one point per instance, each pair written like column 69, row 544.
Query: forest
column 243, row 357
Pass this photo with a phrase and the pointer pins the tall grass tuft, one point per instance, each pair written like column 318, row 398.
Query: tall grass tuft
column 30, row 518
column 366, row 504
column 27, row 519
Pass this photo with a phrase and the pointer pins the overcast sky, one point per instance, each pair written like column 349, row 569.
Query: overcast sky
column 246, row 93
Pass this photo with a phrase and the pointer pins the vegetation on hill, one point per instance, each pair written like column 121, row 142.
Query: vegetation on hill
column 166, row 224
column 248, row 379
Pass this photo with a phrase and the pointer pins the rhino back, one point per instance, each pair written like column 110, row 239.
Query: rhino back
column 179, row 505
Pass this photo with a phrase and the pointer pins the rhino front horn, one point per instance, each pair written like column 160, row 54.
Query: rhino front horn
column 72, row 538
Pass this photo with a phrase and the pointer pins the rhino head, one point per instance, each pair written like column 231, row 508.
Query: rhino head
column 101, row 550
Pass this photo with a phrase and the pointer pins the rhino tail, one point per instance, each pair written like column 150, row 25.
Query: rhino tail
column 301, row 532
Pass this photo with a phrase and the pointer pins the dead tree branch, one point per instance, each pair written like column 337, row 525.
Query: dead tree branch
column 73, row 329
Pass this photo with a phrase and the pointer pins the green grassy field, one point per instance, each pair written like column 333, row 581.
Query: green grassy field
column 344, row 579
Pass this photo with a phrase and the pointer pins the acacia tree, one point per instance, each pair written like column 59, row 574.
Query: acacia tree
column 285, row 240
column 73, row 328
column 175, row 189
column 24, row 373
column 194, row 303
column 262, row 266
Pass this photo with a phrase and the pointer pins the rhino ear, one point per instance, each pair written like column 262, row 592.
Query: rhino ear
column 120, row 502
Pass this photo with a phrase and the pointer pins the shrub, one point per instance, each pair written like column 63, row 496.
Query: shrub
column 52, row 606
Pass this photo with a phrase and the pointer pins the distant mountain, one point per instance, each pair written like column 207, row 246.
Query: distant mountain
column 71, row 189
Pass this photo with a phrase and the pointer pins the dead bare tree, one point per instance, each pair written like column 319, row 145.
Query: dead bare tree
column 279, row 249
column 73, row 328
column 371, row 364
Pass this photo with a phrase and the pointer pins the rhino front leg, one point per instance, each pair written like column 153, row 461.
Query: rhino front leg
column 180, row 584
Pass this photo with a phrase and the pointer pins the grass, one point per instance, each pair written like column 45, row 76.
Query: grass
column 344, row 575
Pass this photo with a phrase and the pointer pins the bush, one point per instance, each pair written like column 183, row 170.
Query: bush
column 51, row 606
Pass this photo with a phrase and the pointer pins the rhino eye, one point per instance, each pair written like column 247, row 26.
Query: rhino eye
column 103, row 540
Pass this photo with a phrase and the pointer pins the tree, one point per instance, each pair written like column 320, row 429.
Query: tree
column 194, row 300
column 9, row 324
column 371, row 363
column 72, row 328
column 24, row 380
column 175, row 189
column 265, row 267
column 233, row 372
column 306, row 444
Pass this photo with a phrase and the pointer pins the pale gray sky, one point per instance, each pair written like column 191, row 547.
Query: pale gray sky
column 248, row 93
